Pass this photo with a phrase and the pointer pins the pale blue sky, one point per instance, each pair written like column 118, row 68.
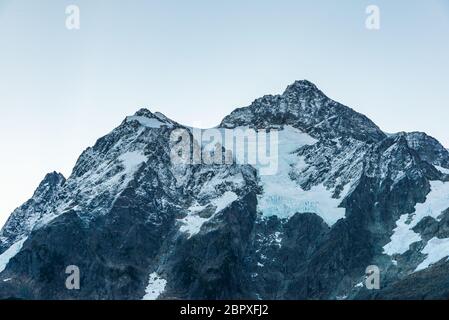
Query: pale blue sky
column 196, row 61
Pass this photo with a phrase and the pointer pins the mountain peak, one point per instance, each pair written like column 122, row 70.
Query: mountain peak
column 50, row 182
column 301, row 85
column 303, row 89
column 53, row 179
column 305, row 107
column 144, row 112
column 149, row 119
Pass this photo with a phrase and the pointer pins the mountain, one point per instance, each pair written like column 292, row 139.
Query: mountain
column 140, row 225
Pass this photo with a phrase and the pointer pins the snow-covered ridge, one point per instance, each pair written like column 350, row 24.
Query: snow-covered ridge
column 101, row 174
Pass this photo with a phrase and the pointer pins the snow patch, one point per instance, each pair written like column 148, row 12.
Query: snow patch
column 192, row 223
column 156, row 286
column 277, row 238
column 399, row 176
column 283, row 197
column 442, row 170
column 403, row 236
column 436, row 249
column 10, row 253
column 148, row 122
column 225, row 200
column 287, row 198
column 131, row 161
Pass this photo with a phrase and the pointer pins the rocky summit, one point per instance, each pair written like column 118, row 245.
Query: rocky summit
column 137, row 225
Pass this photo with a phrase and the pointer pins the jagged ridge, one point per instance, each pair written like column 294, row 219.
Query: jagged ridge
column 194, row 231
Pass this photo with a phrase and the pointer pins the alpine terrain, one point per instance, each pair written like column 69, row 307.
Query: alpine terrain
column 345, row 196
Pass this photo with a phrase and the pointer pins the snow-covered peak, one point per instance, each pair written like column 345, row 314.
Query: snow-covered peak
column 150, row 120
column 305, row 107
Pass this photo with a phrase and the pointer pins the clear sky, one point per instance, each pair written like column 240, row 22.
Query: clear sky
column 196, row 61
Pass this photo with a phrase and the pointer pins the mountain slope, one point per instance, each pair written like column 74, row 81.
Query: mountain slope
column 139, row 225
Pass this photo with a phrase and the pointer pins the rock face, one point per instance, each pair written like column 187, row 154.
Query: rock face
column 139, row 225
